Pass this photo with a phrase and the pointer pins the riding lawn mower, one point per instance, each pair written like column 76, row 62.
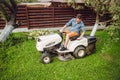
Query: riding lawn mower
column 49, row 46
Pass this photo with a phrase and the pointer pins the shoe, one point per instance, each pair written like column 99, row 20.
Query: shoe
column 63, row 48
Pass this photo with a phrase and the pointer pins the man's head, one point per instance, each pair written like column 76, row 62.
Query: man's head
column 78, row 18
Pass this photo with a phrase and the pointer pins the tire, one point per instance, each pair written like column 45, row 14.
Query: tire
column 79, row 52
column 45, row 58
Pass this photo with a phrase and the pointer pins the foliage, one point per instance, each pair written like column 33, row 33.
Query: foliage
column 113, row 29
column 98, row 5
column 115, row 11
column 101, row 7
column 3, row 12
column 36, row 33
column 73, row 4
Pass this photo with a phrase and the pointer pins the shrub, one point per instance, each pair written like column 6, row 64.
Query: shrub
column 34, row 34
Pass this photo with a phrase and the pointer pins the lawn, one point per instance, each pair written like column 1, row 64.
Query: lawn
column 19, row 60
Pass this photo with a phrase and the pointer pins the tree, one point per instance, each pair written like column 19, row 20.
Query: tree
column 10, row 18
column 101, row 7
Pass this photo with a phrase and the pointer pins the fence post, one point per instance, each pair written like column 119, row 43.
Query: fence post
column 53, row 13
column 27, row 17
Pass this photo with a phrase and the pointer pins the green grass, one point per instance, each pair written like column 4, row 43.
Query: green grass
column 19, row 60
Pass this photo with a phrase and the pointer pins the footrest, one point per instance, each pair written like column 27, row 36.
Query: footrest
column 65, row 51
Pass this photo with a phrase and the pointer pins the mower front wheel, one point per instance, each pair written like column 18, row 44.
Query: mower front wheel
column 45, row 58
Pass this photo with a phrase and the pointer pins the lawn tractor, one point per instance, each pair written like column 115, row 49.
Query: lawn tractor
column 49, row 46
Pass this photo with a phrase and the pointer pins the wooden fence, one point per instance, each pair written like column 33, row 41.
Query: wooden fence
column 41, row 17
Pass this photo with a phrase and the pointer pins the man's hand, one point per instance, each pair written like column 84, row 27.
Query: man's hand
column 61, row 30
column 79, row 38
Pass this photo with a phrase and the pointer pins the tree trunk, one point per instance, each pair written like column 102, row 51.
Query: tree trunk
column 10, row 18
column 94, row 28
column 6, row 31
column 96, row 24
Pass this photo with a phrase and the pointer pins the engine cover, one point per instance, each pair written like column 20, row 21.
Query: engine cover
column 48, row 41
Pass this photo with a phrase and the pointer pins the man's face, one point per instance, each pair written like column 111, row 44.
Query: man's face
column 78, row 20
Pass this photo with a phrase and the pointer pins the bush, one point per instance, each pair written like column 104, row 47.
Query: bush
column 34, row 34
column 112, row 40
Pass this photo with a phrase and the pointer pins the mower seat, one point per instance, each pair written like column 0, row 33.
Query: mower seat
column 74, row 38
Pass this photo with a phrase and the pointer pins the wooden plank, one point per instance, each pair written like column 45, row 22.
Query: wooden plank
column 66, row 20
column 21, row 18
column 41, row 27
column 40, row 22
column 62, row 10
column 33, row 17
column 37, row 25
column 40, row 19
column 38, row 7
column 63, row 18
column 2, row 22
column 30, row 14
column 21, row 9
column 21, row 12
column 64, row 13
column 21, row 15
column 43, row 15
column 39, row 11
column 59, row 23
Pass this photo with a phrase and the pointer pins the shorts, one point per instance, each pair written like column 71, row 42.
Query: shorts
column 71, row 34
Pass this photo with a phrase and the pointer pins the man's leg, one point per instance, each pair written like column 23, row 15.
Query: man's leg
column 67, row 40
column 66, row 32
column 68, row 36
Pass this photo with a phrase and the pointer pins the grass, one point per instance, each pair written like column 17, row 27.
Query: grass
column 19, row 60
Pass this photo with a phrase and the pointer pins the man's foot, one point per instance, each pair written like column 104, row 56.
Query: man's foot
column 63, row 49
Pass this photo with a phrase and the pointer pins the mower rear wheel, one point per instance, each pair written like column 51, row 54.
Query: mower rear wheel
column 79, row 52
column 45, row 58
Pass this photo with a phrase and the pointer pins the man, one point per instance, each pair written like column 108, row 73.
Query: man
column 76, row 24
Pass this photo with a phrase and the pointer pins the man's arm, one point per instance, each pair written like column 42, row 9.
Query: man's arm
column 81, row 35
column 63, row 28
column 83, row 32
column 66, row 25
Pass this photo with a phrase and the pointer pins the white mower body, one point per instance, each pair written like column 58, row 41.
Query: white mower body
column 72, row 45
column 54, row 39
column 48, row 41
